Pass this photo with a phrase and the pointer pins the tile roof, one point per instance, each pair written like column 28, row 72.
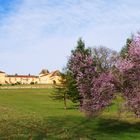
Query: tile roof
column 54, row 73
column 2, row 72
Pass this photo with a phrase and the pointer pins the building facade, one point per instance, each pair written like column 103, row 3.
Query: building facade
column 43, row 78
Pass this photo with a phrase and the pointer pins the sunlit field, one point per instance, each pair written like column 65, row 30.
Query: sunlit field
column 31, row 114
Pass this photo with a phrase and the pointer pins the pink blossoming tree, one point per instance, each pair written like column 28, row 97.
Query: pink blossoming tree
column 130, row 71
column 96, row 89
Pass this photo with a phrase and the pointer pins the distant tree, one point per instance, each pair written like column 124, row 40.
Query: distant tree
column 81, row 48
column 32, row 83
column 104, row 58
column 44, row 71
column 124, row 50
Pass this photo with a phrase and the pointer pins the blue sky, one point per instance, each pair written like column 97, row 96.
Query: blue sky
column 36, row 34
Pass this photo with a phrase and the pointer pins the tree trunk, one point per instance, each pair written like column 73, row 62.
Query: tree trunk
column 65, row 101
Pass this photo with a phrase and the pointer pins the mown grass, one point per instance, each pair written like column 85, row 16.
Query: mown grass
column 27, row 114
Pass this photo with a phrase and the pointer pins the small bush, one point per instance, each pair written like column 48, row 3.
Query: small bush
column 32, row 83
column 17, row 83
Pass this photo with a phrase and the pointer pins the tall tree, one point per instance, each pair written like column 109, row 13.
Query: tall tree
column 68, row 88
column 61, row 92
column 130, row 71
column 96, row 89
column 104, row 58
column 71, row 83
column 124, row 50
column 81, row 48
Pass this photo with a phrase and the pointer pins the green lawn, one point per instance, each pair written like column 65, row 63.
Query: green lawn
column 27, row 114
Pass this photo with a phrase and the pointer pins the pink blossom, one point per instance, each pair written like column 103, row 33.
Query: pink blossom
column 131, row 76
column 124, row 65
column 96, row 90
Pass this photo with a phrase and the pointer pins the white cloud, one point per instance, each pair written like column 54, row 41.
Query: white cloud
column 43, row 32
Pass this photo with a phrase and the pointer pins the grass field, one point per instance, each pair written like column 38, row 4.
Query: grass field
column 31, row 114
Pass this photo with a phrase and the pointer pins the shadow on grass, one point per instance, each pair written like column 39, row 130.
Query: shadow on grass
column 68, row 128
column 114, row 126
column 96, row 128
